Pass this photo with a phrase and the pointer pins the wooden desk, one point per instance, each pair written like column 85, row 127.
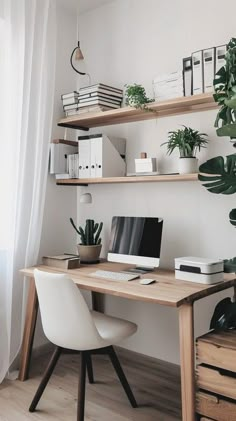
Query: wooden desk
column 168, row 291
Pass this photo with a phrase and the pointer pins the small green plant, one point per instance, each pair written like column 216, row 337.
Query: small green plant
column 90, row 235
column 187, row 140
column 136, row 96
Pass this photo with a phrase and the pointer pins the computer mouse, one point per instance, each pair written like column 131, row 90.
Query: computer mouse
column 147, row 281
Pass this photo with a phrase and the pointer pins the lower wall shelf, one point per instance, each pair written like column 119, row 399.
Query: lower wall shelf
column 133, row 179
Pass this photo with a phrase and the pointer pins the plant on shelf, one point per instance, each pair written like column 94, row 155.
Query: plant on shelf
column 90, row 246
column 135, row 96
column 219, row 174
column 188, row 142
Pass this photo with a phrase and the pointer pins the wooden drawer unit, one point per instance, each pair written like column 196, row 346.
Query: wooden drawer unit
column 217, row 380
column 215, row 408
column 216, row 376
column 218, row 350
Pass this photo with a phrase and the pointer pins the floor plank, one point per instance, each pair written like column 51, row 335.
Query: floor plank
column 155, row 384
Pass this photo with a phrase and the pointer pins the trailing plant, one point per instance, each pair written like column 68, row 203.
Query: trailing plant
column 136, row 97
column 219, row 174
column 225, row 93
column 187, row 140
column 90, row 235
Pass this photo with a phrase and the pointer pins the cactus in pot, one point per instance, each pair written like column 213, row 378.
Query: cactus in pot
column 90, row 246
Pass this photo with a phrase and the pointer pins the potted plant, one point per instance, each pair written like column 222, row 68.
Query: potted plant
column 218, row 174
column 90, row 245
column 136, row 96
column 188, row 141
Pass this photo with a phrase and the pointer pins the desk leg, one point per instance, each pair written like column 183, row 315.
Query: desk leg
column 97, row 301
column 29, row 329
column 187, row 362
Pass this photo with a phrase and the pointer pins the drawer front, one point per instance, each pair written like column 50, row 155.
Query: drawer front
column 212, row 379
column 212, row 407
column 216, row 355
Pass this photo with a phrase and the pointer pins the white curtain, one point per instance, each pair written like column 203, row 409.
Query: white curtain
column 27, row 71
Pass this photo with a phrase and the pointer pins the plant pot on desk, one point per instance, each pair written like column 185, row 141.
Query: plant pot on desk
column 89, row 254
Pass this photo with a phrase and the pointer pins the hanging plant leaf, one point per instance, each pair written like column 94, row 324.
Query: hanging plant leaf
column 227, row 130
column 221, row 176
column 232, row 217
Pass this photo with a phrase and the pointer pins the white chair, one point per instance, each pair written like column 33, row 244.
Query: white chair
column 68, row 323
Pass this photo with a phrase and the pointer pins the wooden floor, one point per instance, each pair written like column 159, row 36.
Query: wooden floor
column 156, row 386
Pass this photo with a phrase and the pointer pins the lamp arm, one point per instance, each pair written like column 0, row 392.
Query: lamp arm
column 73, row 67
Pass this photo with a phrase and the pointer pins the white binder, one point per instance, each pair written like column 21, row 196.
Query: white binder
column 84, row 158
column 208, row 69
column 197, row 72
column 108, row 161
column 93, row 157
column 187, row 76
column 220, row 57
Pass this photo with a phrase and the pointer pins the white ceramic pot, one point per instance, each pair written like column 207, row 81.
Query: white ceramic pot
column 89, row 254
column 188, row 165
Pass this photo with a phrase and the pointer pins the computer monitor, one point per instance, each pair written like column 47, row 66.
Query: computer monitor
column 136, row 240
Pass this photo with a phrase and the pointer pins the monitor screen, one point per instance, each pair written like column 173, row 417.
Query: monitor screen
column 135, row 240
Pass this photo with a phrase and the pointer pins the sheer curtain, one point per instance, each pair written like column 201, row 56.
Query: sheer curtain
column 27, row 71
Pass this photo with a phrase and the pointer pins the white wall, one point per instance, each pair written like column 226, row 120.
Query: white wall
column 58, row 235
column 130, row 41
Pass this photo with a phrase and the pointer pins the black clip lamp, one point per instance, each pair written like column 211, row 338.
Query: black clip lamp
column 78, row 56
column 77, row 52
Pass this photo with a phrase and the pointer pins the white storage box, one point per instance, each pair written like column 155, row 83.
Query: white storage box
column 199, row 269
column 145, row 165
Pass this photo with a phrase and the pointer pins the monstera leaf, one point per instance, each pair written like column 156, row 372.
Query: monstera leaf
column 227, row 130
column 220, row 174
column 230, row 265
column 232, row 217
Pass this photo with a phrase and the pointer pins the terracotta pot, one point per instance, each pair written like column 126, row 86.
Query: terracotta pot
column 89, row 254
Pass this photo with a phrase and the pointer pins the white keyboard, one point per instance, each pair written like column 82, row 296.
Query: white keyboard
column 114, row 276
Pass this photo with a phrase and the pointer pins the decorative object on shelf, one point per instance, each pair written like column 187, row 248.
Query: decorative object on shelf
column 90, row 246
column 145, row 165
column 219, row 174
column 168, row 86
column 225, row 93
column 188, row 141
column 135, row 96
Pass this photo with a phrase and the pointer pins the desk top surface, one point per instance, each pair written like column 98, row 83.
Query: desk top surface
column 167, row 291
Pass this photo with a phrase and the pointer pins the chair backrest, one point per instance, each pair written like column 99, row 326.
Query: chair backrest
column 66, row 319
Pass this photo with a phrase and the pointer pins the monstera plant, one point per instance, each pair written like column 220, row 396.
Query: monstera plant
column 219, row 174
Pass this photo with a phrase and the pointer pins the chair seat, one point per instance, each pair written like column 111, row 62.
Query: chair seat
column 112, row 329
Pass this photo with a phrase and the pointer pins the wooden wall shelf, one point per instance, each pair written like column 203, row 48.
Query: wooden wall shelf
column 129, row 114
column 133, row 179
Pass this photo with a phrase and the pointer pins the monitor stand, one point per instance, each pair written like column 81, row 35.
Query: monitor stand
column 140, row 269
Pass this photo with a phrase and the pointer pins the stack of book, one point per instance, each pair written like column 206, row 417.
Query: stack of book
column 99, row 97
column 70, row 102
column 168, row 86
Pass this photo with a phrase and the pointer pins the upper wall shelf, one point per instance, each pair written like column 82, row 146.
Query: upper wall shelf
column 128, row 179
column 129, row 114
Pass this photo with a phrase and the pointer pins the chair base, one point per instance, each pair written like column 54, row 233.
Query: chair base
column 86, row 364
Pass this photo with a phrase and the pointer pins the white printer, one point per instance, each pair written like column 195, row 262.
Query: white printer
column 199, row 269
